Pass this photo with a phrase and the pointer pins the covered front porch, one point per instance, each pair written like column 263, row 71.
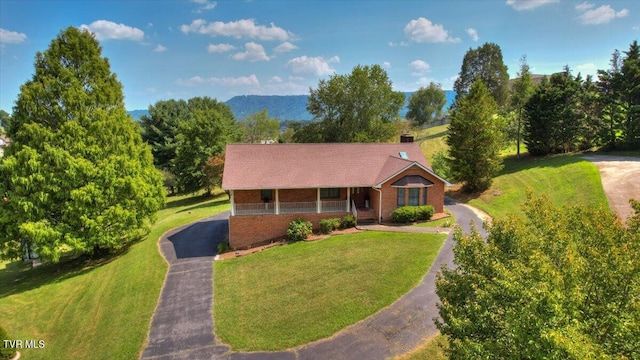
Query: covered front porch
column 298, row 201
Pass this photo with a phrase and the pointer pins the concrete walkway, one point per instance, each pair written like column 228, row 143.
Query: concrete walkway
column 620, row 180
column 182, row 327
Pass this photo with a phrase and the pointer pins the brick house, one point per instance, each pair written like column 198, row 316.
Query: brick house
column 271, row 185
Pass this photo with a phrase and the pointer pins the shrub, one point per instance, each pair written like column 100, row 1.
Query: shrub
column 5, row 352
column 424, row 212
column 348, row 221
column 404, row 214
column 223, row 247
column 328, row 225
column 299, row 230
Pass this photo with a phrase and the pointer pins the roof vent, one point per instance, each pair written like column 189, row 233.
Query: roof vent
column 406, row 138
column 403, row 155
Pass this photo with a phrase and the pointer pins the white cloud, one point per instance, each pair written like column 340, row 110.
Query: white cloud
column 220, row 48
column 276, row 79
column 423, row 30
column 285, row 47
column 160, row 48
column 528, row 4
column 237, row 29
column 601, row 15
column 587, row 69
column 401, row 43
column 312, row 65
column 584, row 6
column 107, row 30
column 637, row 27
column 419, row 67
column 473, row 34
column 253, row 52
column 206, row 5
column 250, row 80
column 386, row 65
column 11, row 37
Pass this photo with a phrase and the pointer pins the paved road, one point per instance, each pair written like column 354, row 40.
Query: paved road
column 620, row 180
column 182, row 327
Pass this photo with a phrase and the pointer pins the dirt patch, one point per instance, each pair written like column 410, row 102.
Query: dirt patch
column 620, row 180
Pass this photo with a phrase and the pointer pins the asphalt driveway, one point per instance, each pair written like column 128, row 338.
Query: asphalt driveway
column 183, row 326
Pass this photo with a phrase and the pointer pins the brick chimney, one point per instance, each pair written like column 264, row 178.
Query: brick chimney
column 406, row 138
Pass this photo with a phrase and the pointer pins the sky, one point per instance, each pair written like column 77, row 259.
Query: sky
column 163, row 49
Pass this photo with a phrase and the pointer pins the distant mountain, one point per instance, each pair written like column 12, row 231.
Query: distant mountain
column 288, row 107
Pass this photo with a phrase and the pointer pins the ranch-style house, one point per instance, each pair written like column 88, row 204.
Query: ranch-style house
column 271, row 185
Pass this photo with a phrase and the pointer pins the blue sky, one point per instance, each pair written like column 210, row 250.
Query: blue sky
column 180, row 49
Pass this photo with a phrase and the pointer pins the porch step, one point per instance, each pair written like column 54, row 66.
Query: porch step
column 367, row 221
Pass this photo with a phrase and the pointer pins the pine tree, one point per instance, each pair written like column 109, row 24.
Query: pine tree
column 521, row 92
column 77, row 175
column 475, row 139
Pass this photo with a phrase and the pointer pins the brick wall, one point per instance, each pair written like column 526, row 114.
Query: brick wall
column 246, row 231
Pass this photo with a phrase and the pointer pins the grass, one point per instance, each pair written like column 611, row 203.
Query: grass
column 95, row 310
column 432, row 140
column 451, row 221
column 565, row 180
column 305, row 291
column 433, row 349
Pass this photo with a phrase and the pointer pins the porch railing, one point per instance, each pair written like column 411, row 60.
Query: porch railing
column 298, row 207
column 290, row 207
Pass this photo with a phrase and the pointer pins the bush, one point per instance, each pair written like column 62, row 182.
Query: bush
column 348, row 221
column 223, row 247
column 328, row 225
column 299, row 230
column 5, row 352
column 424, row 212
column 406, row 214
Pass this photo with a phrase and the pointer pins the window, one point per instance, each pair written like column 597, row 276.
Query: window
column 266, row 195
column 332, row 193
column 414, row 196
column 400, row 196
column 424, row 196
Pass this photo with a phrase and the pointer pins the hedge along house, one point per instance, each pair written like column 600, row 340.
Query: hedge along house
column 271, row 185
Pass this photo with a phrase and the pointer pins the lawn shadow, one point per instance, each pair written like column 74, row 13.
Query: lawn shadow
column 201, row 206
column 19, row 276
column 192, row 200
column 199, row 239
column 512, row 164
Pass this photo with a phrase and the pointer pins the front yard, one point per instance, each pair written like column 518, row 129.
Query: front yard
column 298, row 293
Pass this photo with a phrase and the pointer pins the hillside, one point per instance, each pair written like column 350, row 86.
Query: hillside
column 287, row 107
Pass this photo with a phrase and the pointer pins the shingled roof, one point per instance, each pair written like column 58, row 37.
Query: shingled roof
column 294, row 166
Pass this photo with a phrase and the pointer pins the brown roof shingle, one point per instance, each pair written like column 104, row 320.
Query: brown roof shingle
column 287, row 166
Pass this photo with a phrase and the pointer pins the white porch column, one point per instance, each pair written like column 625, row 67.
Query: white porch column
column 277, row 203
column 318, row 203
column 348, row 198
column 233, row 204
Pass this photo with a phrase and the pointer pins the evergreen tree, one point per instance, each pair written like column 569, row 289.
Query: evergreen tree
column 610, row 101
column 630, row 79
column 160, row 129
column 484, row 63
column 521, row 92
column 77, row 174
column 475, row 139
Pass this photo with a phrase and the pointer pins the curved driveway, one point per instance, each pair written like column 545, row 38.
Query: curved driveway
column 182, row 327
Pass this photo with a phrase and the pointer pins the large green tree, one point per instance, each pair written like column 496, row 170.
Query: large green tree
column 630, row 86
column 484, row 63
column 475, row 138
column 5, row 118
column 77, row 174
column 555, row 121
column 610, row 100
column 521, row 91
column 558, row 284
column 426, row 104
column 204, row 134
column 160, row 129
column 259, row 127
column 359, row 107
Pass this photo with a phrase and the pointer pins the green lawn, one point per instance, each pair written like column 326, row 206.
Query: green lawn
column 433, row 349
column 432, row 140
column 85, row 310
column 294, row 294
column 565, row 180
column 451, row 221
